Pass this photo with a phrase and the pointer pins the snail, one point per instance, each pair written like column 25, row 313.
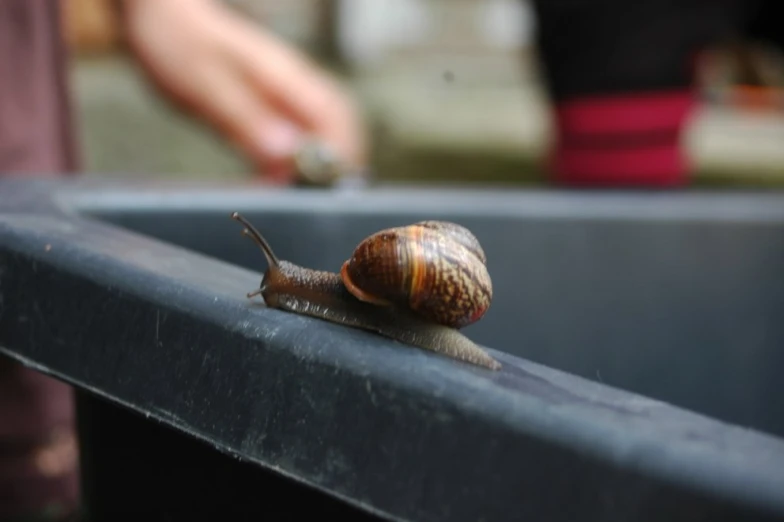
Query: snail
column 441, row 262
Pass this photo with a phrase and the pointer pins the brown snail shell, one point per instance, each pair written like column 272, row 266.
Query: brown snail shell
column 436, row 269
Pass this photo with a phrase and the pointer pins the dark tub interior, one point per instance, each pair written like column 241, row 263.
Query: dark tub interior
column 687, row 308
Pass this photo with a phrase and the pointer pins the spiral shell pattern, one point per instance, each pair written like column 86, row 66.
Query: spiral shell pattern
column 435, row 268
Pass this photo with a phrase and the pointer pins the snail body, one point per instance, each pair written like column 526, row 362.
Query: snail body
column 417, row 284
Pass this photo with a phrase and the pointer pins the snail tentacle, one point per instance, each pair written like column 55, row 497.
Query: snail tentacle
column 251, row 232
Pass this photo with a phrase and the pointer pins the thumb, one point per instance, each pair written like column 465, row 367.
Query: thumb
column 266, row 137
column 295, row 86
column 272, row 144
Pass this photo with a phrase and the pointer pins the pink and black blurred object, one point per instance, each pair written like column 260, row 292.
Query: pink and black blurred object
column 621, row 76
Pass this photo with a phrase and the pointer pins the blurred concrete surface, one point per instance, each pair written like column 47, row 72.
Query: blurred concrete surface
column 434, row 120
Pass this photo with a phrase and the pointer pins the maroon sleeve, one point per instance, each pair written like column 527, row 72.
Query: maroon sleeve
column 38, row 450
column 36, row 136
column 620, row 76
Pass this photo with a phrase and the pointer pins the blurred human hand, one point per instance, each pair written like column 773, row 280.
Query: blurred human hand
column 261, row 93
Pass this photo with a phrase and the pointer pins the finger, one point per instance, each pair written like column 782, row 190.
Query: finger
column 294, row 86
column 269, row 140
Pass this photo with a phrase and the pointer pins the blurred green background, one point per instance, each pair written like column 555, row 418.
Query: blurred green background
column 459, row 102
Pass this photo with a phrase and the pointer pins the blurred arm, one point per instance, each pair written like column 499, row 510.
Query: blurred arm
column 260, row 92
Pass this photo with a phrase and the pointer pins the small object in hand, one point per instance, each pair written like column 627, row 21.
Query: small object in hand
column 317, row 163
